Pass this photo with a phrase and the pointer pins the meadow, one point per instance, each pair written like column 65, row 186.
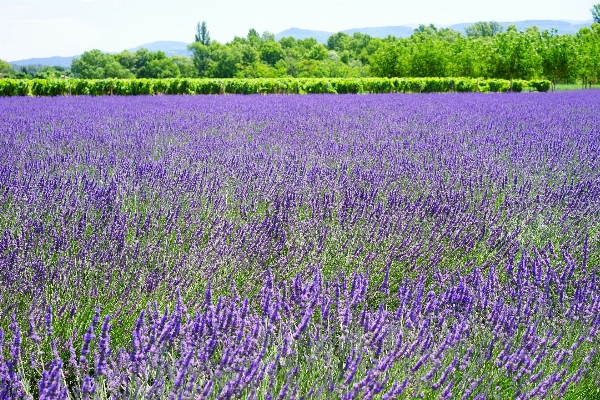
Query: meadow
column 321, row 246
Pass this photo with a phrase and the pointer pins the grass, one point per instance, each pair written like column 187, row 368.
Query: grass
column 564, row 86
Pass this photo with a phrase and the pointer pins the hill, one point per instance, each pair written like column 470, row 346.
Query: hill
column 322, row 36
column 562, row 27
column 53, row 61
column 170, row 48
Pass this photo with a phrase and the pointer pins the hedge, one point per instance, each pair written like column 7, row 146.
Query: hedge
column 131, row 87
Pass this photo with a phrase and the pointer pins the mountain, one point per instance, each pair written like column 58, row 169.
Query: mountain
column 298, row 34
column 562, row 27
column 383, row 31
column 322, row 36
column 170, row 48
column 52, row 61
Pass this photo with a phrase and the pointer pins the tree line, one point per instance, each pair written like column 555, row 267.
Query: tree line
column 485, row 50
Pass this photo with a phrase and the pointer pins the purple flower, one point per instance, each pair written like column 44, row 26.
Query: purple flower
column 103, row 348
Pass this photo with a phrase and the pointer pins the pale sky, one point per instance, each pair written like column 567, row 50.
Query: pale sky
column 47, row 28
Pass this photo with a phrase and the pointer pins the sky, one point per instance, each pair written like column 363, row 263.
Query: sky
column 48, row 28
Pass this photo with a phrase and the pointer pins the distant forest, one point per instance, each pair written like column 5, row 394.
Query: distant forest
column 484, row 50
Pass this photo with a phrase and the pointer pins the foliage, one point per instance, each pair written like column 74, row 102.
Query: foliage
column 558, row 54
column 588, row 63
column 596, row 13
column 483, row 29
column 202, row 34
column 52, row 87
column 6, row 70
column 95, row 64
column 485, row 51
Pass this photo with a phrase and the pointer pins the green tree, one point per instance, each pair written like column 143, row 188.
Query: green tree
column 362, row 47
column 160, row 68
column 426, row 29
column 389, row 60
column 186, row 66
column 6, row 70
column 483, row 29
column 90, row 65
column 202, row 34
column 254, row 38
column 201, row 58
column 271, row 52
column 558, row 55
column 128, row 60
column 249, row 54
column 339, row 42
column 466, row 57
column 596, row 13
column 588, row 54
column 95, row 64
column 513, row 56
column 427, row 58
column 268, row 37
column 448, row 35
column 148, row 64
column 287, row 42
column 47, row 72
column 261, row 70
column 318, row 52
column 226, row 61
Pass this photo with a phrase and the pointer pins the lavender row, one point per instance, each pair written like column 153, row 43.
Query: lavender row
column 469, row 337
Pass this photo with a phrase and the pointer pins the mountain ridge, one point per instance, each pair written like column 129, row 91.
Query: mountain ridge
column 562, row 27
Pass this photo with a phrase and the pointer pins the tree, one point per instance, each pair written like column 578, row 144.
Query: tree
column 185, row 65
column 202, row 34
column 466, row 56
column 558, row 55
column 428, row 58
column 6, row 70
column 128, row 60
column 268, row 36
column 112, row 69
column 318, row 52
column 424, row 29
column 483, row 29
column 161, row 68
column 154, row 65
column 201, row 58
column 47, row 72
column 588, row 54
column 389, row 60
column 261, row 70
column 249, row 54
column 596, row 13
column 338, row 42
column 513, row 56
column 271, row 52
column 226, row 61
column 254, row 38
column 95, row 64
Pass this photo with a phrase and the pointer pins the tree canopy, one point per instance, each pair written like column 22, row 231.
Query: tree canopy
column 485, row 50
column 596, row 13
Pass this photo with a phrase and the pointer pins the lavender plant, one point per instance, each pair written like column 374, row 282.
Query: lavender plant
column 381, row 246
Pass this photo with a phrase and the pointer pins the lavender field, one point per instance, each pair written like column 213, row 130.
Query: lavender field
column 284, row 247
